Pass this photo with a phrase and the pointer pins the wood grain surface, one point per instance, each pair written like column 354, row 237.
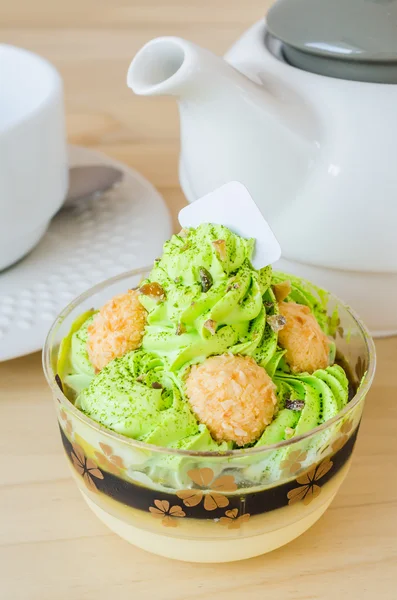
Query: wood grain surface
column 51, row 546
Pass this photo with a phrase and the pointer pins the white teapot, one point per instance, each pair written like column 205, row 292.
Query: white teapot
column 309, row 125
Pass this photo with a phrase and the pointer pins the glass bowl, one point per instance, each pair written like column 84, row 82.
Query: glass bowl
column 206, row 506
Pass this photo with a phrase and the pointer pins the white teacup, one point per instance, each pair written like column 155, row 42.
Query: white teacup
column 33, row 153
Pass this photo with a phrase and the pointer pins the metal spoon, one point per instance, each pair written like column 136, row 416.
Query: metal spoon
column 88, row 180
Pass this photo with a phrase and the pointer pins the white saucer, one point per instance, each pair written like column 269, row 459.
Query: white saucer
column 99, row 238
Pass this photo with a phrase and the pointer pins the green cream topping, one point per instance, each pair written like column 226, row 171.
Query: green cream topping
column 214, row 302
column 74, row 367
column 323, row 394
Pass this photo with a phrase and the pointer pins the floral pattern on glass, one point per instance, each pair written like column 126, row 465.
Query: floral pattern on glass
column 232, row 520
column 85, row 467
column 205, row 479
column 109, row 462
column 361, row 368
column 344, row 434
column 308, row 488
column 168, row 515
column 334, row 326
column 66, row 422
column 293, row 463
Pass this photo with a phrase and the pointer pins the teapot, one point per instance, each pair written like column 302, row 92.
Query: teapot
column 302, row 111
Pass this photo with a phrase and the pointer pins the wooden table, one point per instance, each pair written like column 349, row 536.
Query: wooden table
column 51, row 546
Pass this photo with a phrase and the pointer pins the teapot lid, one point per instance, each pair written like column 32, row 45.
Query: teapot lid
column 349, row 39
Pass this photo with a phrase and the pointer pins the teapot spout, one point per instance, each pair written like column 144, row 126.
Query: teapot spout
column 175, row 67
column 170, row 66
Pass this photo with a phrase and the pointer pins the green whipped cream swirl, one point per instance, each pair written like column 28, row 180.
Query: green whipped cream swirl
column 214, row 300
column 305, row 401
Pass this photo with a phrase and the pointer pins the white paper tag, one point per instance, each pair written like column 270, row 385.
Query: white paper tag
column 232, row 206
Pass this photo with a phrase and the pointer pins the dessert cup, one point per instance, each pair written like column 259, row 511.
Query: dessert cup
column 210, row 506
